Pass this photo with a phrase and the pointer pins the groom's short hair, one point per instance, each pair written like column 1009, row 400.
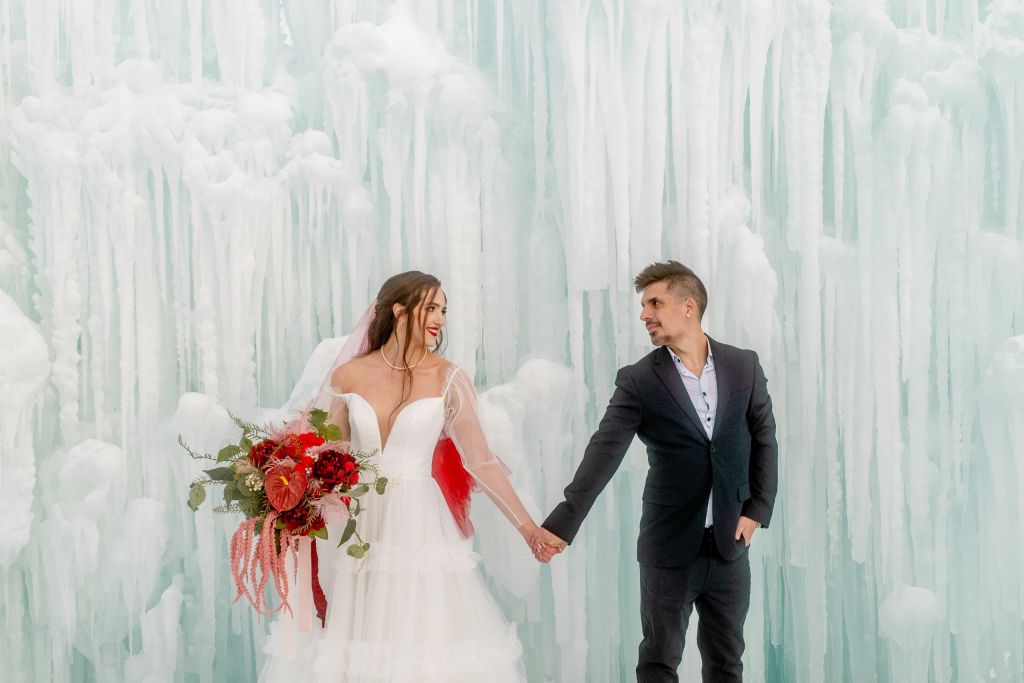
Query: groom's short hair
column 682, row 282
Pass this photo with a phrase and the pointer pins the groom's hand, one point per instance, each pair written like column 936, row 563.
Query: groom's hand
column 746, row 529
column 546, row 545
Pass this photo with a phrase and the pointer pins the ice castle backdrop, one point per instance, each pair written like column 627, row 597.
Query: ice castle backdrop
column 195, row 193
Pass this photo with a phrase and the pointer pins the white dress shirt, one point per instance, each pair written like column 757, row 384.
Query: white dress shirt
column 703, row 393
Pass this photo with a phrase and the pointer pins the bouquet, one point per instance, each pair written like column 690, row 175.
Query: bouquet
column 287, row 482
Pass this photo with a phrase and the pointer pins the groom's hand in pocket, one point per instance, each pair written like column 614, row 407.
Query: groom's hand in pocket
column 546, row 545
column 746, row 528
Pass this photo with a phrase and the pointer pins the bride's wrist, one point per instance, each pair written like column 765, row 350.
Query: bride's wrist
column 527, row 529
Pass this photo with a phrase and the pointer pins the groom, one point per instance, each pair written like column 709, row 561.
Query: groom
column 703, row 411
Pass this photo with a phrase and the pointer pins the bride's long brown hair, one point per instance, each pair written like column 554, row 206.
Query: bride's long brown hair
column 407, row 289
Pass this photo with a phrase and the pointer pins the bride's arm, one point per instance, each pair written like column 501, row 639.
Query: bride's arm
column 462, row 424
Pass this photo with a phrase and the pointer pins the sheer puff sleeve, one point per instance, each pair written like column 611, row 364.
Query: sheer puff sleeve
column 462, row 426
column 333, row 401
column 337, row 414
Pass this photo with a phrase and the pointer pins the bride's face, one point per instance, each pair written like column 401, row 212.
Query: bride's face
column 429, row 318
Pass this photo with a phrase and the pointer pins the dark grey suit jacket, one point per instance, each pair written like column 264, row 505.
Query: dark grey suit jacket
column 740, row 460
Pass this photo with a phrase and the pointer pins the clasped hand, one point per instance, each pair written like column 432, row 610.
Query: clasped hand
column 543, row 544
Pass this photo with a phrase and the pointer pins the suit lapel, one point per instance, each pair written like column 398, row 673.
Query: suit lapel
column 724, row 383
column 666, row 371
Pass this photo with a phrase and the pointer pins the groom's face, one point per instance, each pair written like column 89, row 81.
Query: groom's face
column 663, row 313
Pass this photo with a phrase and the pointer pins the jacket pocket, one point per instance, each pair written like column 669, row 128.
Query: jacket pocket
column 743, row 492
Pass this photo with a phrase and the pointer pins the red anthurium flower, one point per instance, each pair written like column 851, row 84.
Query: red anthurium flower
column 285, row 486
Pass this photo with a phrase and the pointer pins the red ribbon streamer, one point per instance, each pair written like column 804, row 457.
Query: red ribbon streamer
column 319, row 599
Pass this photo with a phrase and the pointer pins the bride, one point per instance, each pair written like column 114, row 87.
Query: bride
column 417, row 610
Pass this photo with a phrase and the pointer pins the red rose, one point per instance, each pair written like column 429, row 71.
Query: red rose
column 261, row 452
column 309, row 439
column 294, row 445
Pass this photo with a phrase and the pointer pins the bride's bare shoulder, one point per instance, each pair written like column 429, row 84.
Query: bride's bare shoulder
column 439, row 365
column 449, row 372
column 349, row 374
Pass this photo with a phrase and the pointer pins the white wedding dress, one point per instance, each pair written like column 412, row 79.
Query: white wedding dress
column 416, row 610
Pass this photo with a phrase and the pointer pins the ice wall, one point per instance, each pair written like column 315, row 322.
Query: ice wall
column 197, row 193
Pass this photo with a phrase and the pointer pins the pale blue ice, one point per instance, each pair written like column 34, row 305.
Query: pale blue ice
column 195, row 194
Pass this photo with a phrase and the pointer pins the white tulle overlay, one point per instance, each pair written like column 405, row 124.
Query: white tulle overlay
column 417, row 610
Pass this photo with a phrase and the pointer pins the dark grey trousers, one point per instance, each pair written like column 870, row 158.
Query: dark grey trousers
column 720, row 591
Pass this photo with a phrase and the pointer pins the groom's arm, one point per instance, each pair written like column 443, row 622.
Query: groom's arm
column 764, row 451
column 601, row 458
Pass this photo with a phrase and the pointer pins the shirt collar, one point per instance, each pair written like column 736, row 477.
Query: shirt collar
column 708, row 364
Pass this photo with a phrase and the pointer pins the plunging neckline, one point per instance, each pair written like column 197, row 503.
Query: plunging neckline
column 376, row 420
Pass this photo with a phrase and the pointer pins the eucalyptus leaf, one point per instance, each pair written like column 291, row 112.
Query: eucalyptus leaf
column 226, row 473
column 350, row 529
column 358, row 551
column 381, row 485
column 319, row 533
column 196, row 496
column 228, row 452
column 357, row 491
column 242, row 490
